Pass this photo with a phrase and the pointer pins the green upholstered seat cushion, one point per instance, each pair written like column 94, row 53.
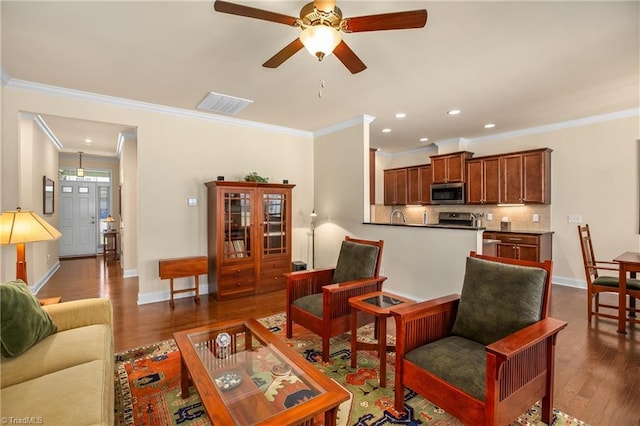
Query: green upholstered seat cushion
column 23, row 322
column 613, row 282
column 311, row 303
column 498, row 299
column 459, row 361
column 355, row 261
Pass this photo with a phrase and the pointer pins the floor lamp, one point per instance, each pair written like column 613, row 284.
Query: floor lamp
column 313, row 238
column 24, row 226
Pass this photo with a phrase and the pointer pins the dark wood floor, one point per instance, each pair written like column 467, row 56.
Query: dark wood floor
column 597, row 370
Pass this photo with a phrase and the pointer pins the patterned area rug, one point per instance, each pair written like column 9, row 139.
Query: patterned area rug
column 147, row 386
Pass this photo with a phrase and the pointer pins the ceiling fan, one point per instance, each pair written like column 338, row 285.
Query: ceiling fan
column 321, row 22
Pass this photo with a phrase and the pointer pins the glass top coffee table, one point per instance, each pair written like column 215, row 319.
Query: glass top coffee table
column 245, row 375
column 379, row 304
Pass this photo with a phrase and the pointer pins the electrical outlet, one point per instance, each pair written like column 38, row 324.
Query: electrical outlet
column 489, row 216
column 536, row 218
column 574, row 218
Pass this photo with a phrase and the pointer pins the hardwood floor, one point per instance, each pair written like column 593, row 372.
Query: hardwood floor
column 597, row 370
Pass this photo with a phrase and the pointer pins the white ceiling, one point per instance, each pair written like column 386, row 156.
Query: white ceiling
column 516, row 64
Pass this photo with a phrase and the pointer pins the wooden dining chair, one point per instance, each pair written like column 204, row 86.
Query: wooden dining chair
column 597, row 283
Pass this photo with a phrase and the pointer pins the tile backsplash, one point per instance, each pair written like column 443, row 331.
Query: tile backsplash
column 521, row 217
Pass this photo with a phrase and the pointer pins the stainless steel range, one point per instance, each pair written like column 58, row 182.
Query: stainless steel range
column 458, row 218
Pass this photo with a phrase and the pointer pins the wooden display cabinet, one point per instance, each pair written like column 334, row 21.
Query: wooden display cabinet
column 249, row 237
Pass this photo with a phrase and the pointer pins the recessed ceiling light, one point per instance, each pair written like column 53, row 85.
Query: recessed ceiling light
column 453, row 112
column 424, row 139
column 387, row 130
column 88, row 141
column 401, row 115
column 489, row 126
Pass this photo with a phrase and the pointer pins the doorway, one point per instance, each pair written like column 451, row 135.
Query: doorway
column 78, row 221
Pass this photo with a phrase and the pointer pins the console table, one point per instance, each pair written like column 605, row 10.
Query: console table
column 183, row 267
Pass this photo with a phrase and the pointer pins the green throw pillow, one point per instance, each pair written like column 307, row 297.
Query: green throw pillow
column 22, row 320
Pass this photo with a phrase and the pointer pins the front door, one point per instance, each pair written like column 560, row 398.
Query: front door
column 78, row 219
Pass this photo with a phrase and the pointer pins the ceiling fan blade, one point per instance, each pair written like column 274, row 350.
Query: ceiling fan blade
column 386, row 21
column 324, row 5
column 348, row 58
column 252, row 12
column 289, row 50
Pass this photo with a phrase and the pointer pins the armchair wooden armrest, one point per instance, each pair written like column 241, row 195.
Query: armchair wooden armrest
column 433, row 318
column 521, row 340
column 336, row 296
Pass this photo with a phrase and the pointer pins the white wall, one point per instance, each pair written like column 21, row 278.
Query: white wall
column 176, row 154
column 35, row 157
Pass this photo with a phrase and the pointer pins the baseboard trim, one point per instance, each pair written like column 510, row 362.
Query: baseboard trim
column 570, row 282
column 45, row 278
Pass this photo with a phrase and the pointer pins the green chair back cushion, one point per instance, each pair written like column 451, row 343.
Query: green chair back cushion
column 355, row 261
column 23, row 322
column 498, row 299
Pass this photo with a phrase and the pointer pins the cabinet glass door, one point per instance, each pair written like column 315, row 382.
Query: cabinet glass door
column 274, row 225
column 237, row 225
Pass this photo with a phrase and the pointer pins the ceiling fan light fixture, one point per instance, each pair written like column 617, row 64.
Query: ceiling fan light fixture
column 320, row 40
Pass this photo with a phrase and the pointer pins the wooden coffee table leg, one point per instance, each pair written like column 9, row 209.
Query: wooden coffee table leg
column 184, row 378
column 382, row 349
column 330, row 417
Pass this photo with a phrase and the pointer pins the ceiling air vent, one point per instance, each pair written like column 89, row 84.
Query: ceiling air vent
column 216, row 102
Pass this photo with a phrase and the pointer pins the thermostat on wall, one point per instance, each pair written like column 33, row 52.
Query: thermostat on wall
column 192, row 202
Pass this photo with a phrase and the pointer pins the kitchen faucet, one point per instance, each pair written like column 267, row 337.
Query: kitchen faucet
column 401, row 213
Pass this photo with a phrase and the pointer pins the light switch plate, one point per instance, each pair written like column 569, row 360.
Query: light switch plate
column 536, row 218
column 489, row 216
column 574, row 218
column 192, row 202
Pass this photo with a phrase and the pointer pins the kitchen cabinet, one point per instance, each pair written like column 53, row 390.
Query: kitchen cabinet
column 395, row 187
column 249, row 237
column 419, row 184
column 523, row 246
column 526, row 177
column 448, row 168
column 483, row 180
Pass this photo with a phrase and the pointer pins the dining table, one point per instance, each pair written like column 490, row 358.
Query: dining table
column 629, row 263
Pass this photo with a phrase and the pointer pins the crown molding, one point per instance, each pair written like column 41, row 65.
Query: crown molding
column 146, row 106
column 361, row 119
column 628, row 113
column 47, row 131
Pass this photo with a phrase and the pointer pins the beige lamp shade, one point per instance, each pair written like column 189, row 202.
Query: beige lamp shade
column 25, row 226
column 110, row 219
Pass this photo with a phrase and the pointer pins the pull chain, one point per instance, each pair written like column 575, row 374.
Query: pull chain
column 321, row 87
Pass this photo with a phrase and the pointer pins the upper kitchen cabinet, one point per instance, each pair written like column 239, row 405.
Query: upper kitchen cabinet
column 449, row 168
column 395, row 187
column 526, row 177
column 483, row 180
column 419, row 184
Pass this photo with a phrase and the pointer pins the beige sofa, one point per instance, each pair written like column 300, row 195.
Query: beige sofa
column 67, row 378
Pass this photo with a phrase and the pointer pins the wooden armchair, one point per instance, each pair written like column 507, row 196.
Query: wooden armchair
column 597, row 284
column 319, row 299
column 487, row 355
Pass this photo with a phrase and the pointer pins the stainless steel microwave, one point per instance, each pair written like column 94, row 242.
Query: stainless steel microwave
column 447, row 193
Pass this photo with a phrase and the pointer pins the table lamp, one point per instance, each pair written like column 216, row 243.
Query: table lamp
column 24, row 226
column 109, row 221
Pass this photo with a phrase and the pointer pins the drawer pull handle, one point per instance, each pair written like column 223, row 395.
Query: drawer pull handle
column 237, row 284
column 237, row 271
column 515, row 239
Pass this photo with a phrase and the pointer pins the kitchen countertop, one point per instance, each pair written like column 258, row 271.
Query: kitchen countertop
column 463, row 228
